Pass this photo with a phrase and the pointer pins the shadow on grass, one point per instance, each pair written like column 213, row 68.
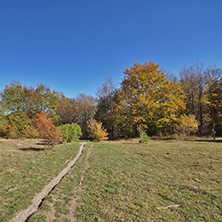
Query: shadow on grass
column 209, row 141
column 32, row 149
column 41, row 144
column 163, row 138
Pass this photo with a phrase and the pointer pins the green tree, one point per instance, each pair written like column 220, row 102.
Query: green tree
column 13, row 97
column 16, row 123
column 13, row 112
column 47, row 101
column 70, row 132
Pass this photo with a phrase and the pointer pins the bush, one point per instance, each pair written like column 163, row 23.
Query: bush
column 97, row 132
column 30, row 132
column 144, row 138
column 14, row 125
column 186, row 126
column 14, row 133
column 47, row 130
column 70, row 132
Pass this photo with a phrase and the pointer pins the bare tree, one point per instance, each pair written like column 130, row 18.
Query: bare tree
column 193, row 80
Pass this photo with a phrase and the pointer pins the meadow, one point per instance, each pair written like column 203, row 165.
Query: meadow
column 26, row 166
column 163, row 180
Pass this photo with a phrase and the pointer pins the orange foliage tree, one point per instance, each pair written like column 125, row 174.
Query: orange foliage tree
column 47, row 130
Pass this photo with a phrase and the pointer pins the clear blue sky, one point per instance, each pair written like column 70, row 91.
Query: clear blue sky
column 73, row 46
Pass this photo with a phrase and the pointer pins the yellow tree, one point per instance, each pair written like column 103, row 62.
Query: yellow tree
column 96, row 131
column 213, row 95
column 186, row 125
column 147, row 97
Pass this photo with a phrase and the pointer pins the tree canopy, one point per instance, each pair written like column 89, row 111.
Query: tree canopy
column 148, row 99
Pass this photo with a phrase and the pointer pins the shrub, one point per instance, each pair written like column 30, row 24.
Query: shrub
column 186, row 125
column 144, row 138
column 70, row 132
column 15, row 124
column 30, row 132
column 96, row 131
column 47, row 130
column 14, row 133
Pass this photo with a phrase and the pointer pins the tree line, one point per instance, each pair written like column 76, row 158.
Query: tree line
column 148, row 101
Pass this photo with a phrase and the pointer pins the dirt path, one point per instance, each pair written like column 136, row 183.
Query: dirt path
column 79, row 189
column 24, row 215
column 67, row 212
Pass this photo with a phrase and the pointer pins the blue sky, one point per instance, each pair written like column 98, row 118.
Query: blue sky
column 73, row 46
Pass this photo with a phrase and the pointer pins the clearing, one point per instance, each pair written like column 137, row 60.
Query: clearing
column 164, row 180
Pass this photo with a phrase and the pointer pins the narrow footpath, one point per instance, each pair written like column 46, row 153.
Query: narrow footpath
column 36, row 202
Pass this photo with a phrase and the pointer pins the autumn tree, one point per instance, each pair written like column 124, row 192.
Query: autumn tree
column 202, row 88
column 21, row 104
column 106, row 102
column 96, row 131
column 186, row 125
column 14, row 125
column 3, row 119
column 30, row 131
column 213, row 95
column 148, row 97
column 192, row 79
column 67, row 110
column 86, row 107
column 47, row 130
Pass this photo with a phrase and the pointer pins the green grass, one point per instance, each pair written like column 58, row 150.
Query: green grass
column 128, row 181
column 26, row 166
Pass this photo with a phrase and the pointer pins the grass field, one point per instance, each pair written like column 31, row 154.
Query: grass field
column 164, row 180
column 26, row 166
